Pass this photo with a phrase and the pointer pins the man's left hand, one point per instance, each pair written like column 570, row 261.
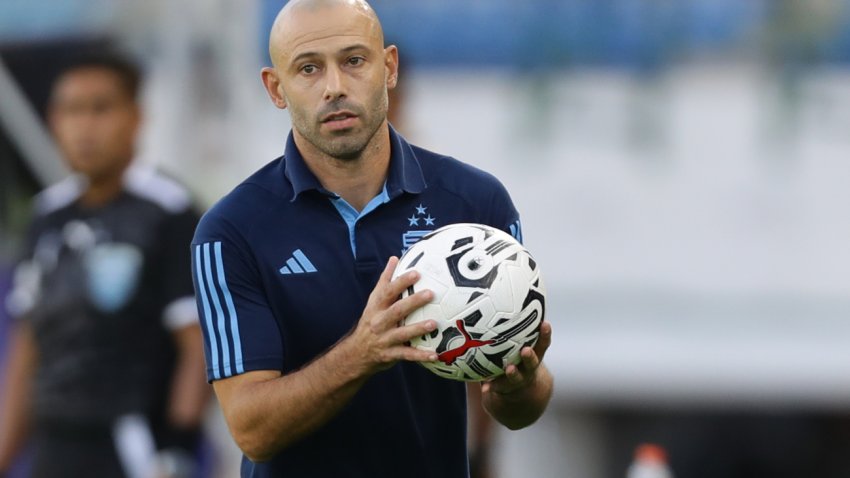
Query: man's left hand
column 522, row 375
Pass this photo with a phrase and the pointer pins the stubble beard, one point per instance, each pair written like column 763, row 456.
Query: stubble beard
column 344, row 145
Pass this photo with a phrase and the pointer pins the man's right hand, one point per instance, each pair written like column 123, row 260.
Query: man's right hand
column 267, row 411
column 378, row 341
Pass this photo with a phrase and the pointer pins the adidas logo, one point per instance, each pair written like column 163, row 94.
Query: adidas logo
column 298, row 264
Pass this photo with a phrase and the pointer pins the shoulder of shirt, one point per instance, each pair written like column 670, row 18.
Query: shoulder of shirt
column 456, row 176
column 153, row 186
column 143, row 182
column 58, row 196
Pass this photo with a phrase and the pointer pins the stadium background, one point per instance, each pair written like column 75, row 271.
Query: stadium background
column 681, row 168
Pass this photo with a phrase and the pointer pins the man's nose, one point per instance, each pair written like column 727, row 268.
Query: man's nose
column 334, row 84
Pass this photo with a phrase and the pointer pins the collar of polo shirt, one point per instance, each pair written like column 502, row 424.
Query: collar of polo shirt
column 405, row 174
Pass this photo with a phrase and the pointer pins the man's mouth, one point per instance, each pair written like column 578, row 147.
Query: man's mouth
column 338, row 116
column 340, row 119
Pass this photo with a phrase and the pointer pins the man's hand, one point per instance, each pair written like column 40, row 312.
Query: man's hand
column 267, row 412
column 519, row 397
column 523, row 374
column 378, row 341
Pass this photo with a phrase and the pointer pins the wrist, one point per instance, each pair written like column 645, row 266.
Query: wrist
column 346, row 360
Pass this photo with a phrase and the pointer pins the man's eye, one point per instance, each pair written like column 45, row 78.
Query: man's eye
column 308, row 69
column 356, row 60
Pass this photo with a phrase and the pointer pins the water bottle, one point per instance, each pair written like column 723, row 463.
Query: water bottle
column 650, row 461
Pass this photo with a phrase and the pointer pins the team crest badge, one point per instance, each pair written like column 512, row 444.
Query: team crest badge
column 420, row 219
column 112, row 274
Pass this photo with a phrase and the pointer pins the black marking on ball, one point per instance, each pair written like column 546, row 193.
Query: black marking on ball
column 414, row 261
column 497, row 247
column 448, row 335
column 472, row 319
column 498, row 358
column 532, row 264
column 478, row 368
column 531, row 297
column 474, row 296
column 461, row 281
column 512, row 258
column 516, row 329
column 462, row 242
column 410, row 290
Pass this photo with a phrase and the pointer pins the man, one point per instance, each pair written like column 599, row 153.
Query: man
column 106, row 351
column 293, row 274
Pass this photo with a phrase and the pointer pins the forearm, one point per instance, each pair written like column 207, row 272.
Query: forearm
column 523, row 407
column 267, row 412
column 189, row 390
column 267, row 416
column 15, row 411
column 14, row 425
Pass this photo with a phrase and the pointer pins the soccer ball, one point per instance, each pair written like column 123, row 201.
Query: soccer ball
column 489, row 299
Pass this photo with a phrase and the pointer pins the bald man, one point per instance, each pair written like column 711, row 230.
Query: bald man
column 293, row 272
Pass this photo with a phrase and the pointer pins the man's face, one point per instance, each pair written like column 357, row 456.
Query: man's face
column 94, row 120
column 333, row 73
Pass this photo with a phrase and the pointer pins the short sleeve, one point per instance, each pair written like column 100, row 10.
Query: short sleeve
column 239, row 328
column 26, row 279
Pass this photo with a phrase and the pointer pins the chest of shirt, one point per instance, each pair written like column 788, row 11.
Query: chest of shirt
column 318, row 269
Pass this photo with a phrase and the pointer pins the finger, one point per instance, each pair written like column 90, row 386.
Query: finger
column 400, row 335
column 393, row 290
column 510, row 381
column 529, row 360
column 403, row 307
column 544, row 340
column 411, row 354
column 386, row 277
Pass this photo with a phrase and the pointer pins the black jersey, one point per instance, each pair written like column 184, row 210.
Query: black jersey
column 102, row 288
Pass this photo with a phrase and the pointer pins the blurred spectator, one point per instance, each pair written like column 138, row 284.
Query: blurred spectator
column 106, row 360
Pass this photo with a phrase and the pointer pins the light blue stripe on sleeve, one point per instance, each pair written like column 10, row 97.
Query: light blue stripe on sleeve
column 516, row 231
column 305, row 263
column 202, row 290
column 222, row 327
column 231, row 309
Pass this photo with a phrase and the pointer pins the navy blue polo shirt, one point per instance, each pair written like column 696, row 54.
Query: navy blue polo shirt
column 283, row 269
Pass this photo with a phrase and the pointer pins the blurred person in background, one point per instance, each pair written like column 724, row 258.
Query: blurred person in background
column 106, row 362
column 309, row 361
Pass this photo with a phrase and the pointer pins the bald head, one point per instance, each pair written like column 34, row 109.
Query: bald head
column 333, row 73
column 289, row 26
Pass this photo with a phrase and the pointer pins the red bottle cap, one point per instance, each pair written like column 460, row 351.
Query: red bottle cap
column 650, row 452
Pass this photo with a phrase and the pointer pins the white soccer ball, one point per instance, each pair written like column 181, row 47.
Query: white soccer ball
column 489, row 299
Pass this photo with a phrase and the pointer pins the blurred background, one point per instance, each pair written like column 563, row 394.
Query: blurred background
column 681, row 167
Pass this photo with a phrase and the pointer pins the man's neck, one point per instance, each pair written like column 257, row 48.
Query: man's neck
column 356, row 180
column 102, row 190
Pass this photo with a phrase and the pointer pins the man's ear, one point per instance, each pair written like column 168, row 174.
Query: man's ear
column 273, row 86
column 391, row 63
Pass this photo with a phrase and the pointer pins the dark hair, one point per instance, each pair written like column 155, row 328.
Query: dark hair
column 128, row 72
